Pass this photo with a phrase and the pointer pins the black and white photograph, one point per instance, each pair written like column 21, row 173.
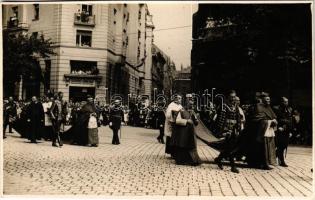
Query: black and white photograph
column 157, row 99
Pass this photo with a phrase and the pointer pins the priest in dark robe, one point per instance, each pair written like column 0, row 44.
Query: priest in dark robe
column 35, row 118
column 261, row 151
column 81, row 125
column 183, row 137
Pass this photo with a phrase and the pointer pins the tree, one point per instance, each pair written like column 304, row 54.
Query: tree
column 20, row 55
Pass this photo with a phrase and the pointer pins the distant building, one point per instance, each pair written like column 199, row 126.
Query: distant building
column 163, row 72
column 182, row 82
column 102, row 49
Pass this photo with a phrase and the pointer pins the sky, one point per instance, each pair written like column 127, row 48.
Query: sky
column 176, row 40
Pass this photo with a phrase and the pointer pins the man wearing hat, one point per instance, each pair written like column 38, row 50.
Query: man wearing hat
column 116, row 117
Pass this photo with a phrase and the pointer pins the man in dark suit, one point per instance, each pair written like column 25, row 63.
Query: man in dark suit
column 116, row 117
column 35, row 118
column 285, row 122
column 160, row 117
column 57, row 112
column 9, row 114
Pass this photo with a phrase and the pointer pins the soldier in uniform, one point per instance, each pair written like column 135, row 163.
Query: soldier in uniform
column 57, row 112
column 228, row 125
column 116, row 117
column 284, row 115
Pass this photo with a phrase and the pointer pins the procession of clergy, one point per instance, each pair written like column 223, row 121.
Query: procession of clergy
column 259, row 141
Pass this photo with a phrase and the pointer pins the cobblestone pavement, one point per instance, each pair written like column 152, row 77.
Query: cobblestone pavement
column 139, row 167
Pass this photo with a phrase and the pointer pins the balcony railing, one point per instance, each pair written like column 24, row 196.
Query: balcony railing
column 84, row 19
column 14, row 24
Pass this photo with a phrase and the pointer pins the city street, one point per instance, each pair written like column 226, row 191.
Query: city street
column 139, row 167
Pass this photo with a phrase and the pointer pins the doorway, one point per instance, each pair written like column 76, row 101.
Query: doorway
column 81, row 93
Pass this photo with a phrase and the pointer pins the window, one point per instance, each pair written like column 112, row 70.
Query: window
column 83, row 67
column 15, row 11
column 139, row 15
column 36, row 11
column 139, row 34
column 47, row 75
column 34, row 34
column 84, row 38
column 13, row 21
column 115, row 11
column 127, row 17
column 87, row 9
column 138, row 55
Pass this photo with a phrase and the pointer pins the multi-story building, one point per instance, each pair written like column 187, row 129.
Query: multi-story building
column 101, row 49
column 232, row 55
column 182, row 82
column 163, row 72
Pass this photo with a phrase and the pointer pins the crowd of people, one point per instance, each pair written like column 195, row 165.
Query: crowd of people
column 47, row 117
column 256, row 134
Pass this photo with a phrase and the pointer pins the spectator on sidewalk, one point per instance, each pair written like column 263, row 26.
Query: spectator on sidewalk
column 9, row 115
column 48, row 124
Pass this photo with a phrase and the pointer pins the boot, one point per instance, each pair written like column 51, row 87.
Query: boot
column 59, row 140
column 282, row 163
column 234, row 169
column 217, row 160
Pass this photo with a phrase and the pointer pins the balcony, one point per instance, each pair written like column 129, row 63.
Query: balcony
column 15, row 25
column 83, row 79
column 84, row 19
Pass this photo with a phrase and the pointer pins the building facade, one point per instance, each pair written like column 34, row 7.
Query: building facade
column 182, row 82
column 163, row 72
column 246, row 55
column 101, row 49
